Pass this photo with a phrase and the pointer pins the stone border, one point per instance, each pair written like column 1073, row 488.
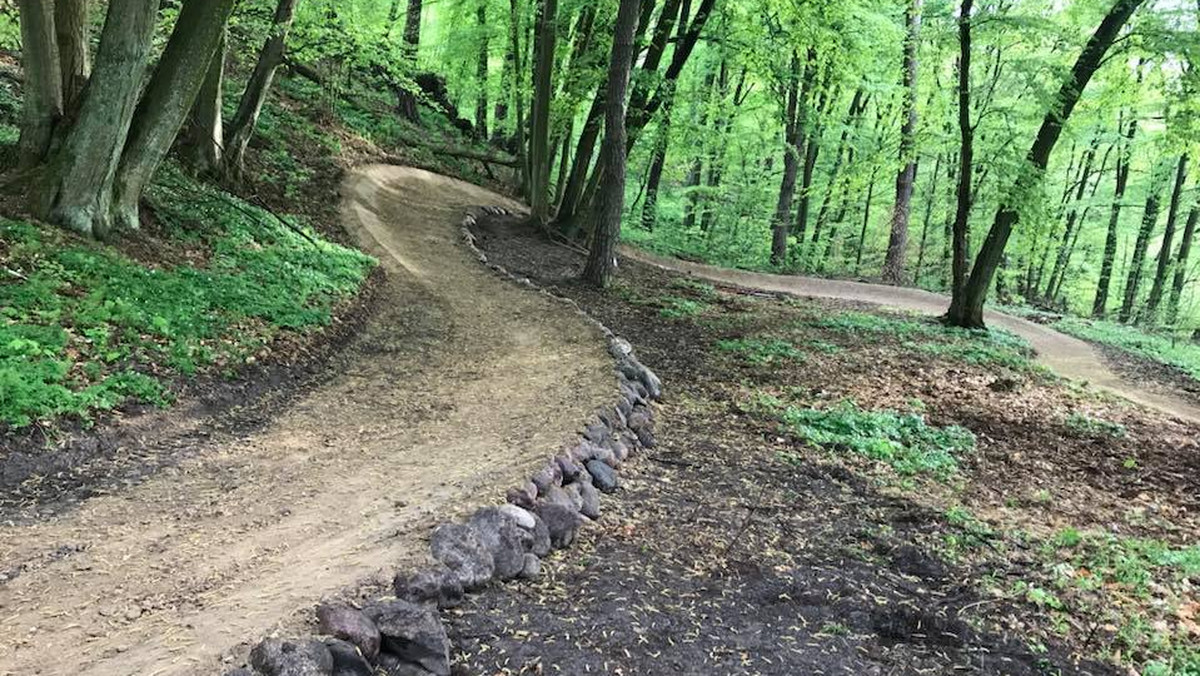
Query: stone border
column 404, row 634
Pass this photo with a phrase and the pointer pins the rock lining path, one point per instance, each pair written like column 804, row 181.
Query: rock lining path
column 1065, row 355
column 457, row 389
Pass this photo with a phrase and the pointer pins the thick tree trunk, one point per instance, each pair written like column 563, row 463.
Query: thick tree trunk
column 406, row 103
column 76, row 191
column 791, row 168
column 610, row 199
column 1100, row 304
column 241, row 128
column 1168, row 242
column 1181, row 263
column 481, row 74
column 207, row 128
column 71, row 27
column 897, row 252
column 968, row 311
column 168, row 99
column 540, row 162
column 43, row 105
column 1137, row 262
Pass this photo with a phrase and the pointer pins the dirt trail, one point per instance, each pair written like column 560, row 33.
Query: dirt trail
column 451, row 393
column 1065, row 355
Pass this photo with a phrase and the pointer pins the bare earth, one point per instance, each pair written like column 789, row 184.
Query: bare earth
column 454, row 391
column 1065, row 355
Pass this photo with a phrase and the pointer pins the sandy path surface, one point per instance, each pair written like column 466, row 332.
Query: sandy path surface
column 452, row 392
column 1065, row 355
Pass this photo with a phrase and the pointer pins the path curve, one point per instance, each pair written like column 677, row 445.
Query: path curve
column 458, row 387
column 1065, row 355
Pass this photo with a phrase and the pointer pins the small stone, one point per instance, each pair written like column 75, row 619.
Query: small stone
column 591, row 497
column 570, row 468
column 597, row 434
column 548, row 476
column 562, row 523
column 603, row 476
column 559, row 496
column 414, row 634
column 347, row 659
column 620, row 450
column 522, row 517
column 532, row 567
column 540, row 542
column 646, row 438
column 523, row 496
column 459, row 549
column 503, row 538
column 343, row 621
column 630, row 440
column 606, row 456
column 438, row 586
column 639, row 419
column 575, row 496
column 240, row 671
column 281, row 657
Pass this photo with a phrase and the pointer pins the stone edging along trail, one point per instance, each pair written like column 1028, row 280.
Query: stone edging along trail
column 404, row 634
column 1066, row 355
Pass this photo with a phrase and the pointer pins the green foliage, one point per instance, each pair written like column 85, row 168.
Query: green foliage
column 1175, row 351
column 1085, row 426
column 675, row 307
column 88, row 328
column 763, row 350
column 982, row 348
column 904, row 441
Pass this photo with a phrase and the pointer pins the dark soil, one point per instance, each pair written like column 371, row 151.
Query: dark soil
column 735, row 549
column 1166, row 377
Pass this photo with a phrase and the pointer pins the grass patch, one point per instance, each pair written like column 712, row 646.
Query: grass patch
column 88, row 328
column 1087, row 427
column 903, row 441
column 763, row 351
column 675, row 307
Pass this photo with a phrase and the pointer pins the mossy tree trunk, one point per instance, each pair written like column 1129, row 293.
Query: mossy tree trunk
column 897, row 251
column 407, row 103
column 168, row 99
column 71, row 32
column 540, row 147
column 43, row 104
column 207, row 128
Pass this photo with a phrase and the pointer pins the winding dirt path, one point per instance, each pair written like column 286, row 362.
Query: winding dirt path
column 1065, row 355
column 454, row 391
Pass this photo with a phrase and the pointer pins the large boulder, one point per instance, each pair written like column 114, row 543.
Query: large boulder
column 413, row 633
column 562, row 523
column 458, row 548
column 345, row 622
column 285, row 657
column 348, row 659
column 503, row 538
column 439, row 586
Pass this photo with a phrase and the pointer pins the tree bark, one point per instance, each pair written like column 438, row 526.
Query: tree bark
column 610, row 198
column 241, row 128
column 71, row 27
column 481, row 74
column 933, row 191
column 207, row 128
column 897, row 252
column 1181, row 263
column 43, row 105
column 658, row 162
column 791, row 167
column 406, row 103
column 968, row 310
column 76, row 191
column 1060, row 260
column 166, row 102
column 1100, row 304
column 1137, row 263
column 853, row 117
column 1168, row 242
column 539, row 156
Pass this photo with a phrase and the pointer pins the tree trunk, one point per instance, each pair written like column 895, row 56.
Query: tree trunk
column 897, row 253
column 1168, row 242
column 1060, row 260
column 853, row 117
column 658, row 162
column 933, row 191
column 968, row 310
column 518, row 95
column 1100, row 305
column 1181, row 263
column 1137, row 263
column 166, row 102
column 610, row 199
column 481, row 74
column 406, row 103
column 866, row 219
column 812, row 150
column 206, row 131
column 43, row 105
column 241, row 128
column 791, row 168
column 539, row 156
column 71, row 27
column 76, row 191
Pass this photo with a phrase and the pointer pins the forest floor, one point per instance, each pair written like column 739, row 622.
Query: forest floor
column 208, row 532
column 774, row 531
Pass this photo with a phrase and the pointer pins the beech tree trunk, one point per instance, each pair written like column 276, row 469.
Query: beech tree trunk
column 658, row 162
column 1060, row 260
column 1168, row 242
column 967, row 312
column 71, row 27
column 959, row 231
column 610, row 198
column 897, row 252
column 406, row 103
column 43, row 105
column 241, row 128
column 481, row 74
column 166, row 102
column 539, row 156
column 1137, row 262
column 207, row 127
column 1181, row 263
column 76, row 191
column 1100, row 304
column 791, row 168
